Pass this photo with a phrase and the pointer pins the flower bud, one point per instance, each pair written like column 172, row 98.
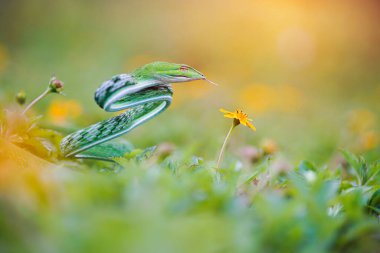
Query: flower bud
column 165, row 149
column 269, row 146
column 21, row 97
column 251, row 153
column 55, row 85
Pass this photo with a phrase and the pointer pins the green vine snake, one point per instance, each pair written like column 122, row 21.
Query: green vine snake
column 146, row 92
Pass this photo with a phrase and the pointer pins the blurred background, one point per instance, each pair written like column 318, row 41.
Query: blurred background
column 307, row 72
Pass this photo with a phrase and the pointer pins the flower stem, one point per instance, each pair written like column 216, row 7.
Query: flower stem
column 224, row 146
column 43, row 94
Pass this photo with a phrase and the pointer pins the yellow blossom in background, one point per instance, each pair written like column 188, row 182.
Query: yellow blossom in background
column 361, row 130
column 369, row 140
column 361, row 120
column 240, row 118
column 259, row 96
column 266, row 98
column 269, row 146
column 60, row 111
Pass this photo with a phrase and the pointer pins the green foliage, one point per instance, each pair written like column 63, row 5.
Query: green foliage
column 180, row 203
column 25, row 132
column 165, row 199
column 374, row 202
column 365, row 173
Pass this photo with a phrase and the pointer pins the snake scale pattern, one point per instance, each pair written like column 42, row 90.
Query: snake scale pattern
column 146, row 92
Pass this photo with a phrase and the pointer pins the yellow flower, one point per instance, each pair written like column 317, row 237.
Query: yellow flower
column 369, row 140
column 269, row 146
column 60, row 111
column 239, row 118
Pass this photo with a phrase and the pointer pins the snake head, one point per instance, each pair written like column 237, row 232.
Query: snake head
column 168, row 72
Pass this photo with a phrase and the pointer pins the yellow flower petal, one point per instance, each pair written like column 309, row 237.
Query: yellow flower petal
column 240, row 116
column 229, row 115
column 224, row 111
column 249, row 124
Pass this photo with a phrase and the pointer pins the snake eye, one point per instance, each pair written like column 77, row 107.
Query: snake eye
column 184, row 68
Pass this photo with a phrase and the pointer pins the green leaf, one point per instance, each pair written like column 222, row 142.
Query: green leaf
column 247, row 177
column 374, row 202
column 360, row 167
column 351, row 159
column 299, row 181
column 146, row 154
column 306, row 166
column 374, row 169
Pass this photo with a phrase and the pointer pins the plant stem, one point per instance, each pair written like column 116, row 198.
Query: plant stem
column 43, row 94
column 224, row 146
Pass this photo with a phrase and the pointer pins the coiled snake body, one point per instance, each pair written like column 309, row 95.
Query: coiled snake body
column 146, row 91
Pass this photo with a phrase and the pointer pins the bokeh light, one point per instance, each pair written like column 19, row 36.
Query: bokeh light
column 294, row 64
